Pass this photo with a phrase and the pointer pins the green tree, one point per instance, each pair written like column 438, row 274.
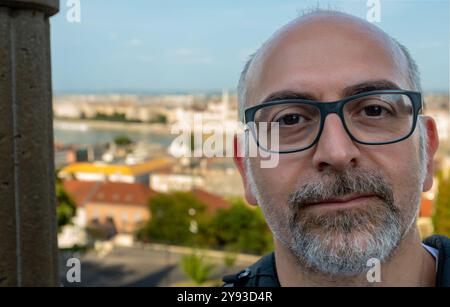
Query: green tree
column 171, row 219
column 441, row 217
column 242, row 228
column 66, row 208
column 116, row 117
column 158, row 119
column 123, row 140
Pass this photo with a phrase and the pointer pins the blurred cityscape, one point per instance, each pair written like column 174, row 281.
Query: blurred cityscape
column 114, row 154
column 116, row 157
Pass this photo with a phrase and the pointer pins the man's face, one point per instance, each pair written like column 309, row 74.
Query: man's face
column 338, row 235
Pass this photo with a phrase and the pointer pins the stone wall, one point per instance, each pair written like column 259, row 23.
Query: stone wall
column 28, row 250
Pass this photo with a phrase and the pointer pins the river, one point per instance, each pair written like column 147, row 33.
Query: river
column 89, row 132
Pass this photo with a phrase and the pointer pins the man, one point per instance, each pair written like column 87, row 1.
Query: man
column 354, row 155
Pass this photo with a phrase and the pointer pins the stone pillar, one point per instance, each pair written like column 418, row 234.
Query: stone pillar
column 28, row 249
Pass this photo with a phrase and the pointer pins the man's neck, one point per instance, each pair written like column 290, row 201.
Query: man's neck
column 410, row 265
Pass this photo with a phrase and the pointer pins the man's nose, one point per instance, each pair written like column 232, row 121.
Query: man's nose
column 335, row 149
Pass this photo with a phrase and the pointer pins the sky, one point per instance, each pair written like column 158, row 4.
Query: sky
column 201, row 45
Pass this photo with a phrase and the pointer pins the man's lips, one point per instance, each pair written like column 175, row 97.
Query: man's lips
column 344, row 201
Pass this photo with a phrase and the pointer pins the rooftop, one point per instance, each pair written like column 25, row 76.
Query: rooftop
column 108, row 169
column 109, row 192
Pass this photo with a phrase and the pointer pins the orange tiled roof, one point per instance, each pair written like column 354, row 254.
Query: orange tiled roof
column 79, row 190
column 108, row 192
column 122, row 193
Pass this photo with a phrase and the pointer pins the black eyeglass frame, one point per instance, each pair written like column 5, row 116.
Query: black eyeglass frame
column 335, row 107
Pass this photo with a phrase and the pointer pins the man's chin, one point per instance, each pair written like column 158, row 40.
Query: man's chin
column 336, row 244
column 334, row 256
column 350, row 219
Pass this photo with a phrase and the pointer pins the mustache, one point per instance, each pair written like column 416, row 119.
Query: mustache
column 337, row 184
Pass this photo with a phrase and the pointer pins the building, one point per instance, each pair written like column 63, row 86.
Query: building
column 64, row 156
column 138, row 173
column 216, row 120
column 132, row 107
column 167, row 182
column 124, row 205
column 75, row 234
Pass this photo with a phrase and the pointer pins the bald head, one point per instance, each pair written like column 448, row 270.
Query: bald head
column 322, row 51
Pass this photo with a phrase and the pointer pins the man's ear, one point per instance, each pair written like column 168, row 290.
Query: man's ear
column 432, row 146
column 239, row 160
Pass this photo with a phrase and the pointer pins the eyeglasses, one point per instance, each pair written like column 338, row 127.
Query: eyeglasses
column 371, row 118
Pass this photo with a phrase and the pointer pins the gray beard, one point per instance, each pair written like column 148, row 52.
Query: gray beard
column 340, row 243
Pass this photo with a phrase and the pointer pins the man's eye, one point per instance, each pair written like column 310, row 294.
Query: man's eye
column 290, row 119
column 374, row 111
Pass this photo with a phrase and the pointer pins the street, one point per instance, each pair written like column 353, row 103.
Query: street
column 135, row 267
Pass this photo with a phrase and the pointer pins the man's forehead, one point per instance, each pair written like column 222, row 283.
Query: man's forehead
column 321, row 53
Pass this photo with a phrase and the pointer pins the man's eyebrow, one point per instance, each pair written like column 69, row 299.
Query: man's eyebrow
column 368, row 86
column 288, row 94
